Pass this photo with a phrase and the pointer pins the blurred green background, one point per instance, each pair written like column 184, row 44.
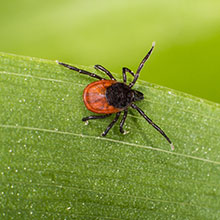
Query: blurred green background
column 117, row 33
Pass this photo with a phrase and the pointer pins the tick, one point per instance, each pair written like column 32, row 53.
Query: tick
column 107, row 97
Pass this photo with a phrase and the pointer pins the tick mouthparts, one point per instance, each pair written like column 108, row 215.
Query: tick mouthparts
column 172, row 146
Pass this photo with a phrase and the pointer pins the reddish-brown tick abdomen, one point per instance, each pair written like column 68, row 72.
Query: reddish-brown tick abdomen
column 94, row 97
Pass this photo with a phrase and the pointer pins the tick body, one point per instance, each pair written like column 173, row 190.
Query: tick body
column 96, row 99
column 106, row 97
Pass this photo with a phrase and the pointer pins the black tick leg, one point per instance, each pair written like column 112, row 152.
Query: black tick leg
column 124, row 70
column 141, row 66
column 101, row 68
column 80, row 70
column 123, row 121
column 111, row 124
column 153, row 124
column 95, row 117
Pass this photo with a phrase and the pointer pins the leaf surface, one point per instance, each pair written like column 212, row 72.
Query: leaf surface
column 52, row 165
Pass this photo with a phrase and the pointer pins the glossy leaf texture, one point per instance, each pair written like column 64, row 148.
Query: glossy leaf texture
column 53, row 165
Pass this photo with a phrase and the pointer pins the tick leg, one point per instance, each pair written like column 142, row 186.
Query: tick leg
column 111, row 124
column 95, row 117
column 123, row 121
column 101, row 68
column 141, row 65
column 153, row 124
column 81, row 71
column 124, row 70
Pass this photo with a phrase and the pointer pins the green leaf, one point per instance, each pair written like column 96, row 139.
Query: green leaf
column 54, row 166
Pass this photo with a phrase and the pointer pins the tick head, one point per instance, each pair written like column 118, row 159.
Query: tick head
column 138, row 95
